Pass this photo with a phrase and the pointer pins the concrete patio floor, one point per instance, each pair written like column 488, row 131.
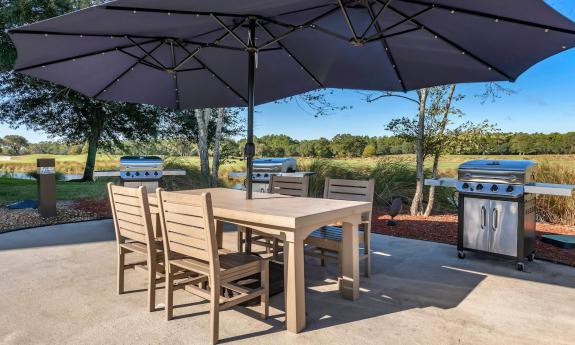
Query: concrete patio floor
column 57, row 286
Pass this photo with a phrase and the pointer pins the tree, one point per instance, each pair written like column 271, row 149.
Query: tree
column 67, row 114
column 347, row 145
column 14, row 144
column 369, row 151
column 206, row 128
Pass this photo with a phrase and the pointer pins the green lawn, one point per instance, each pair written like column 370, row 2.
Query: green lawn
column 12, row 190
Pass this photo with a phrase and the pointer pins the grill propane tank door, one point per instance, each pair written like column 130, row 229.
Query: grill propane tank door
column 476, row 224
column 504, row 222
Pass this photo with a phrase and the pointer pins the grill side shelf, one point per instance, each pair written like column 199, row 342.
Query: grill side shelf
column 441, row 182
column 550, row 189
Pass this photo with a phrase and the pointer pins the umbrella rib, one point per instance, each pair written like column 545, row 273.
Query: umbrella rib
column 388, row 52
column 148, row 54
column 379, row 37
column 55, row 33
column 81, row 56
column 407, row 19
column 116, row 79
column 456, row 46
column 375, row 18
column 230, row 31
column 347, row 19
column 214, row 74
column 143, row 62
column 293, row 57
column 492, row 16
column 175, row 75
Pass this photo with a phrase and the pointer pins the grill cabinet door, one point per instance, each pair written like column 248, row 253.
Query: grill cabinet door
column 504, row 220
column 476, row 224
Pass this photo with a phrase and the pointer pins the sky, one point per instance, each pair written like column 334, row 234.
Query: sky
column 544, row 101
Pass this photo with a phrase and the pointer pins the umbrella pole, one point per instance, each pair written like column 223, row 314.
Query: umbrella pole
column 250, row 149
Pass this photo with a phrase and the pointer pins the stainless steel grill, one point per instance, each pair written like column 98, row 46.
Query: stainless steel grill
column 138, row 171
column 497, row 207
column 265, row 168
column 141, row 168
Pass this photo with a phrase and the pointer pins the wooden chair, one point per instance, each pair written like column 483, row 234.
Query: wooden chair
column 134, row 234
column 188, row 230
column 327, row 241
column 283, row 185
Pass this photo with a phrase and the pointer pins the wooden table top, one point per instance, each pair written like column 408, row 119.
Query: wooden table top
column 277, row 210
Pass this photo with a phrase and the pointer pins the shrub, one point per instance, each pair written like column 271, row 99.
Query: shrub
column 556, row 209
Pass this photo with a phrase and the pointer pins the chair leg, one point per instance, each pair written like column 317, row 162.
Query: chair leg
column 367, row 250
column 339, row 265
column 276, row 249
column 121, row 263
column 152, row 284
column 214, row 312
column 169, row 294
column 268, row 246
column 265, row 283
column 322, row 257
column 240, row 240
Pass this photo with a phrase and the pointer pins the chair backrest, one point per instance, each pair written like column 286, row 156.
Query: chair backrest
column 352, row 190
column 289, row 185
column 131, row 214
column 188, row 225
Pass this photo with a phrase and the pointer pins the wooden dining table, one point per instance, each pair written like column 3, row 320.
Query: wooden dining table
column 291, row 220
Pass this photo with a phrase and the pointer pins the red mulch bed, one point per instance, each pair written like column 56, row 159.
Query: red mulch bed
column 443, row 228
column 100, row 207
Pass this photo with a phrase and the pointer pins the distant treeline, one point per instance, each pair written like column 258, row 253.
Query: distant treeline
column 342, row 145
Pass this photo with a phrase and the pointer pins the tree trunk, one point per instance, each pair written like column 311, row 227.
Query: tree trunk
column 437, row 155
column 203, row 119
column 431, row 197
column 93, row 141
column 417, row 202
column 217, row 142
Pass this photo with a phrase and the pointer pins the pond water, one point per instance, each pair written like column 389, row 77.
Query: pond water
column 25, row 176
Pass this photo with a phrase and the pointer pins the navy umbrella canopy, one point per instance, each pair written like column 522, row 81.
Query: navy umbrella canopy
column 204, row 53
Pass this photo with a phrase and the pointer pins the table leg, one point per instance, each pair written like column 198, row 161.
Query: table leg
column 248, row 240
column 220, row 233
column 294, row 282
column 350, row 261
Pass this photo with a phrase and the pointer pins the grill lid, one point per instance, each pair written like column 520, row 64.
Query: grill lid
column 141, row 163
column 501, row 165
column 497, row 171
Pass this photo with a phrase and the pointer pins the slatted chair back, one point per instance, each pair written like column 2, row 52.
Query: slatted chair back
column 188, row 226
column 351, row 190
column 131, row 214
column 289, row 185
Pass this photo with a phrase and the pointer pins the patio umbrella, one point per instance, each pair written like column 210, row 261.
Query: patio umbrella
column 204, row 53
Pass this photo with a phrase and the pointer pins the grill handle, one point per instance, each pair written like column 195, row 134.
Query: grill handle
column 483, row 217
column 495, row 220
column 509, row 179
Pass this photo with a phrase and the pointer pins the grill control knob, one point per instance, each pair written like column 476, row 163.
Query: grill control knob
column 509, row 189
column 128, row 173
column 147, row 173
column 137, row 174
column 494, row 188
column 479, row 187
column 465, row 185
column 156, row 173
